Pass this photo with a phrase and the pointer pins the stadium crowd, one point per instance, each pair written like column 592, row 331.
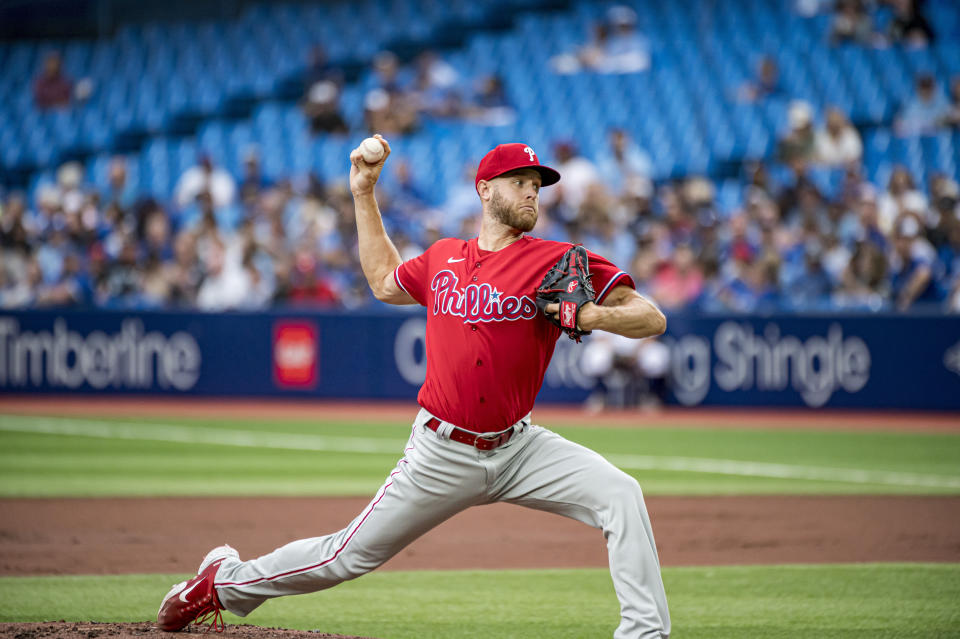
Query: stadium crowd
column 251, row 241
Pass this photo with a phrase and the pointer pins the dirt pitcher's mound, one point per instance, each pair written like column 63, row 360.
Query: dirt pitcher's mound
column 95, row 630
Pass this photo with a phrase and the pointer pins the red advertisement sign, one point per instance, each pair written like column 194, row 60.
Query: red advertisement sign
column 295, row 354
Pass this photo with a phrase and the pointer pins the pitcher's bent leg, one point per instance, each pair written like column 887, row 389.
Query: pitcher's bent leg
column 556, row 475
column 411, row 501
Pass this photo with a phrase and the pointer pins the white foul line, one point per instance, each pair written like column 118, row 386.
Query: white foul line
column 782, row 471
column 150, row 431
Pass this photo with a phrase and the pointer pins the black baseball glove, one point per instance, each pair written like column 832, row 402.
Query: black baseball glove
column 568, row 284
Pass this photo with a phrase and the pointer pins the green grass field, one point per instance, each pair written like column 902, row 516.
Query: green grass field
column 50, row 457
column 58, row 456
column 768, row 602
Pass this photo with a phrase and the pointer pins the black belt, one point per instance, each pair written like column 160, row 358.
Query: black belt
column 477, row 440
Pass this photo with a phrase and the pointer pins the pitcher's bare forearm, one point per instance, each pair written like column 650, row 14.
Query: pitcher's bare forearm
column 378, row 256
column 624, row 312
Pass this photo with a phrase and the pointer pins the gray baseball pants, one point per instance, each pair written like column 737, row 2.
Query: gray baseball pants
column 436, row 479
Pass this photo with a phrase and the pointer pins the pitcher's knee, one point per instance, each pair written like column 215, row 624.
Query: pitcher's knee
column 623, row 491
column 357, row 562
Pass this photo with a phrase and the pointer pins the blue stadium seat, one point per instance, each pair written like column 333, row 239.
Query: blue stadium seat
column 147, row 77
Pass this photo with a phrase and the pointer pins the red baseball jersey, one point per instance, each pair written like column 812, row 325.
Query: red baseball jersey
column 488, row 346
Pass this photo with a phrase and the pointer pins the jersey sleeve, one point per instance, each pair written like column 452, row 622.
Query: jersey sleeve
column 607, row 276
column 411, row 276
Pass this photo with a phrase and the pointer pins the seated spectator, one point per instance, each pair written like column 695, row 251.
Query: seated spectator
column 585, row 57
column 14, row 290
column 617, row 46
column 951, row 116
column 119, row 285
column 320, row 102
column 71, row 288
column 625, row 160
column 19, row 290
column 390, row 107
column 225, row 284
column 864, row 285
column 490, row 105
column 811, row 289
column 15, row 233
column 600, row 230
column 924, row 113
column 253, row 182
column 753, row 288
column 942, row 214
column 766, row 84
column 435, row 86
column 835, row 257
column 837, row 143
column 52, row 88
column 851, row 23
column 205, row 178
column 678, row 282
column 626, row 50
column 798, row 145
column 155, row 288
column 321, row 107
column 119, row 189
column 909, row 26
column 738, row 245
column 157, row 242
column 809, row 212
column 184, row 273
column 912, row 264
column 892, row 203
column 578, row 174
column 869, row 229
column 309, row 285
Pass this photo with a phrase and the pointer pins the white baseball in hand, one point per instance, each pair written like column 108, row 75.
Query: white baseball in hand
column 372, row 150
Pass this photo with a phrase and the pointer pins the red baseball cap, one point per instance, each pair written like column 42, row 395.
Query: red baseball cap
column 516, row 155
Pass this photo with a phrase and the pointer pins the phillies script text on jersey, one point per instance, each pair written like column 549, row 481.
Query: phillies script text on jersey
column 478, row 302
column 487, row 345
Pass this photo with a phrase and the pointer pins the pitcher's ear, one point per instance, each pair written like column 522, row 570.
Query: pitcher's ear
column 484, row 189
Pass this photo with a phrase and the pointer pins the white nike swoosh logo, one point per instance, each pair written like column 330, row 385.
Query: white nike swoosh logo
column 183, row 593
column 450, row 260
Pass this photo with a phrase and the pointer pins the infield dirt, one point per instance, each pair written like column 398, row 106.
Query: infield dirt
column 134, row 535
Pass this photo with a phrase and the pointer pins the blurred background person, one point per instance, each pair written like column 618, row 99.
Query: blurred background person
column 924, row 113
column 52, row 88
column 837, row 143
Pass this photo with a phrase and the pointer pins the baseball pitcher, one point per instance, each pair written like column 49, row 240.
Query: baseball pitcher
column 496, row 305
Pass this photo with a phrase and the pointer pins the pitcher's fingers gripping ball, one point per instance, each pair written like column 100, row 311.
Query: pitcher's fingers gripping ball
column 565, row 289
column 364, row 171
column 372, row 150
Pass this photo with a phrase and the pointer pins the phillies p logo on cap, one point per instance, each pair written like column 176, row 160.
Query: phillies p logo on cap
column 509, row 157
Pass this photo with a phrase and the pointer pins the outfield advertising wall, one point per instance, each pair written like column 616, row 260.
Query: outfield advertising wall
column 904, row 362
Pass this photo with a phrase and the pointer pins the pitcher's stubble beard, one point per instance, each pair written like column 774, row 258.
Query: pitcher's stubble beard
column 505, row 214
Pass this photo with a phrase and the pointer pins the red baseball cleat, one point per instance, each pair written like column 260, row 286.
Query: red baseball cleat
column 196, row 599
